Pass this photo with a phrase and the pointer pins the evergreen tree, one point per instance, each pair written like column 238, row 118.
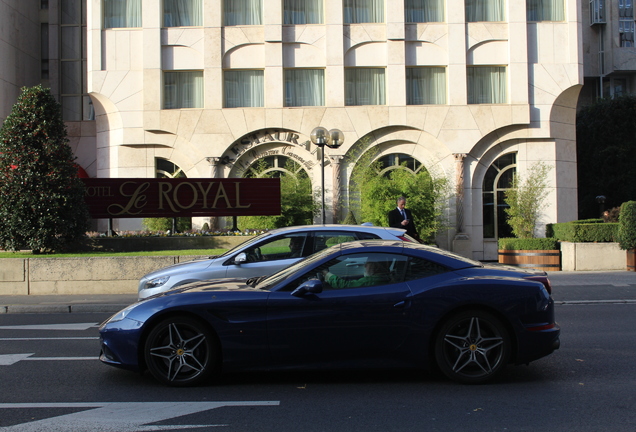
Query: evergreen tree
column 42, row 204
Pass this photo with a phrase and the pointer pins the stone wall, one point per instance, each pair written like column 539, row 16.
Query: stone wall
column 94, row 275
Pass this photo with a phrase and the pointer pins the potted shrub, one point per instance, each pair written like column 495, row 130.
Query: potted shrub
column 537, row 253
column 526, row 200
column 627, row 232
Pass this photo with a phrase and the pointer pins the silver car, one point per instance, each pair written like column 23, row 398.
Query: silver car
column 263, row 255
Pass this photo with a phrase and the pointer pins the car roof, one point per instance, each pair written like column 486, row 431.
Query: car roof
column 441, row 256
column 337, row 227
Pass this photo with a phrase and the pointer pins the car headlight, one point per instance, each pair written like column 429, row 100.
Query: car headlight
column 157, row 282
column 119, row 316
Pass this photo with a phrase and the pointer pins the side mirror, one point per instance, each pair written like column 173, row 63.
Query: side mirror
column 313, row 286
column 240, row 258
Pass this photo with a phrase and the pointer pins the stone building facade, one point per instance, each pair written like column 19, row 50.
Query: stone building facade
column 471, row 90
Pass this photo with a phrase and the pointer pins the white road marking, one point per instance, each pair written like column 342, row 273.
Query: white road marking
column 48, row 338
column 119, row 416
column 72, row 326
column 11, row 359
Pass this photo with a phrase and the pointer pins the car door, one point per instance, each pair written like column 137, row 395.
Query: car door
column 339, row 325
column 269, row 256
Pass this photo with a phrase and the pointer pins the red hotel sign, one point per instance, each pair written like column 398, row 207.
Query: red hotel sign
column 141, row 197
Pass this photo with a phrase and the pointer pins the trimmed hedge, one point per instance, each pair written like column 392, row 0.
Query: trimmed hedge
column 587, row 231
column 528, row 244
column 627, row 226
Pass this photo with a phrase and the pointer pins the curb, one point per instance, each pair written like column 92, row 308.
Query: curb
column 61, row 308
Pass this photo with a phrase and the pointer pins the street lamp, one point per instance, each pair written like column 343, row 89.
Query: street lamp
column 332, row 139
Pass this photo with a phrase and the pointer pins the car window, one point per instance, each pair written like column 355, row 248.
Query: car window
column 325, row 239
column 419, row 268
column 285, row 247
column 367, row 236
column 358, row 271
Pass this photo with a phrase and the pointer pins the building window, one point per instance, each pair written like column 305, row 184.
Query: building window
column 485, row 10
column 419, row 11
column 597, row 11
column 395, row 161
column 626, row 23
column 76, row 104
column 303, row 12
column 182, row 89
column 364, row 86
column 243, row 88
column 304, row 87
column 363, row 11
column 486, row 84
column 166, row 169
column 545, row 10
column 182, row 13
column 425, row 85
column 122, row 13
column 497, row 180
column 242, row 12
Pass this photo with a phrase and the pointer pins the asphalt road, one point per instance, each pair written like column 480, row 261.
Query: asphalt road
column 51, row 381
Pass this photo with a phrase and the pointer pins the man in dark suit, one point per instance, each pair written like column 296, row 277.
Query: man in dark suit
column 403, row 218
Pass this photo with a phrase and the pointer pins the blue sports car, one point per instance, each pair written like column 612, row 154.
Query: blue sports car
column 357, row 304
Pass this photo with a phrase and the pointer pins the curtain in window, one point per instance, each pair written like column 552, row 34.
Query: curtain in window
column 243, row 12
column 423, row 11
column 486, row 85
column 183, row 90
column 545, row 10
column 485, row 10
column 364, row 86
column 304, row 87
column 122, row 13
column 244, row 88
column 363, row 11
column 182, row 13
column 303, row 12
column 425, row 86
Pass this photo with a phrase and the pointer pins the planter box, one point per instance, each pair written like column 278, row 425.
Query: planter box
column 631, row 260
column 546, row 260
column 592, row 256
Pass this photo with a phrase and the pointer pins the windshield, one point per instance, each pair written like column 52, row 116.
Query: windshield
column 247, row 243
column 283, row 274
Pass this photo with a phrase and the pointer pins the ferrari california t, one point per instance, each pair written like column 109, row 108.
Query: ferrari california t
column 368, row 303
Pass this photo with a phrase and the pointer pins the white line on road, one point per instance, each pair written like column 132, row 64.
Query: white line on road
column 120, row 416
column 11, row 359
column 71, row 326
column 47, row 338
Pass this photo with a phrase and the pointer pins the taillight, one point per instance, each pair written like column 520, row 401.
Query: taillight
column 542, row 327
column 544, row 280
column 407, row 239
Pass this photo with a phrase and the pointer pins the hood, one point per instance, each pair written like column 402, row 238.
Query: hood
column 189, row 266
column 218, row 285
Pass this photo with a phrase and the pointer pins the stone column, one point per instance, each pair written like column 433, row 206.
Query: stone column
column 215, row 172
column 461, row 242
column 336, row 184
column 459, row 190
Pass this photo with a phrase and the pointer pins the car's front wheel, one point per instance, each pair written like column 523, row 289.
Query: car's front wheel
column 181, row 351
column 472, row 347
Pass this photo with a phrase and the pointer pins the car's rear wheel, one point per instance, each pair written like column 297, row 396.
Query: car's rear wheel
column 181, row 351
column 472, row 347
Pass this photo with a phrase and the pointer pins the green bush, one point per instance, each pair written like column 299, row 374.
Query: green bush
column 583, row 231
column 512, row 243
column 42, row 205
column 627, row 226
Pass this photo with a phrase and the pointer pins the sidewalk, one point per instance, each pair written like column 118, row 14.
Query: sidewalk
column 65, row 303
column 620, row 284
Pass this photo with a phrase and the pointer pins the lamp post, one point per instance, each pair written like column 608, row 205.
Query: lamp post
column 332, row 139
